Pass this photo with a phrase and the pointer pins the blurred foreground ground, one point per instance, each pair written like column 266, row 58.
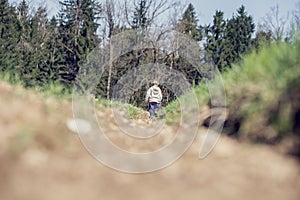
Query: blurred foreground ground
column 40, row 159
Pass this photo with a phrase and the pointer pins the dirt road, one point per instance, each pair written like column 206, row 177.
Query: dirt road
column 40, row 159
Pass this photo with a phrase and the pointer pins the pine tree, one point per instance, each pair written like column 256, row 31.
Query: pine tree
column 230, row 42
column 188, row 24
column 227, row 41
column 54, row 53
column 239, row 30
column 39, row 36
column 140, row 19
column 7, row 22
column 24, row 47
column 244, row 30
column 9, row 36
column 215, row 40
column 77, row 29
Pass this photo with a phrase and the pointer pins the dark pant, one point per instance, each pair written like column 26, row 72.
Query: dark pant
column 153, row 108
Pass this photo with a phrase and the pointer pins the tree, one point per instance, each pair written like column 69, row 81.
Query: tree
column 262, row 39
column 227, row 41
column 113, row 26
column 239, row 30
column 109, row 17
column 296, row 18
column 25, row 50
column 9, row 36
column 78, row 32
column 54, row 57
column 145, row 12
column 140, row 18
column 41, row 35
column 24, row 46
column 275, row 23
column 188, row 24
column 215, row 40
column 244, row 28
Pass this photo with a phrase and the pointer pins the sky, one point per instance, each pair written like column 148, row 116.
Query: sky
column 256, row 8
column 205, row 9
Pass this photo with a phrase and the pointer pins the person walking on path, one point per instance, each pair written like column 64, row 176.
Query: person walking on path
column 153, row 97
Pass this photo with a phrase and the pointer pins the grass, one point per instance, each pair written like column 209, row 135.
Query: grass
column 131, row 111
column 173, row 112
column 11, row 78
column 258, row 92
column 173, row 109
column 54, row 90
column 261, row 84
column 51, row 89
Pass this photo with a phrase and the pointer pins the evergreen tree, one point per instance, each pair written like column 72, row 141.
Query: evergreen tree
column 55, row 57
column 77, row 29
column 215, row 40
column 230, row 42
column 39, row 36
column 227, row 41
column 140, row 19
column 188, row 24
column 9, row 34
column 24, row 47
column 244, row 28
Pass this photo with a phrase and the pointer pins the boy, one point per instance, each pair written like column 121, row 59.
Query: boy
column 153, row 97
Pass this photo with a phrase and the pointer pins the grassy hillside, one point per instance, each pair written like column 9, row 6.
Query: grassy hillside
column 263, row 95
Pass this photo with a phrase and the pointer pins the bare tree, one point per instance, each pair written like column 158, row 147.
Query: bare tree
column 112, row 24
column 116, row 18
column 153, row 9
column 174, row 17
column 275, row 23
column 110, row 12
column 296, row 17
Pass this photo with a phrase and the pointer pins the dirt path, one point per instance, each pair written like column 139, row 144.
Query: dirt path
column 41, row 159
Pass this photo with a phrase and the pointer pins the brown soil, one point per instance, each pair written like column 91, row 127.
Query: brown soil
column 41, row 159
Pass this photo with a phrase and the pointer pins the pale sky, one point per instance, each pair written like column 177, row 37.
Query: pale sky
column 206, row 8
column 257, row 8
